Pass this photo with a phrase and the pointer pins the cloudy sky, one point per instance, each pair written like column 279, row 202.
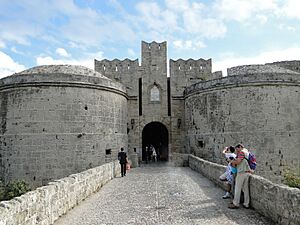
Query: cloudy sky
column 231, row 32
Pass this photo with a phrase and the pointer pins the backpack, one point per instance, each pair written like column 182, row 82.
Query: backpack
column 251, row 160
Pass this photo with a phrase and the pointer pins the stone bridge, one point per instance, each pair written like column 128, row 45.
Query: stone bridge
column 150, row 194
column 159, row 195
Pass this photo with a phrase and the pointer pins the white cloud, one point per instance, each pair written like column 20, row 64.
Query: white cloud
column 87, row 61
column 8, row 66
column 188, row 45
column 184, row 17
column 63, row 21
column 262, row 19
column 290, row 28
column 291, row 9
column 76, row 45
column 241, row 10
column 62, row 52
column 200, row 44
column 231, row 60
column 177, row 5
column 207, row 27
column 285, row 27
column 156, row 18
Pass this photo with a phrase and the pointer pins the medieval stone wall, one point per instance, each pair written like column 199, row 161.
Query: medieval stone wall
column 128, row 73
column 184, row 73
column 59, row 120
column 261, row 69
column 291, row 65
column 260, row 110
column 124, row 71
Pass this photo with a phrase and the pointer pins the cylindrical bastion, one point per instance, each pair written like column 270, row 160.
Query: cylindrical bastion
column 258, row 106
column 57, row 120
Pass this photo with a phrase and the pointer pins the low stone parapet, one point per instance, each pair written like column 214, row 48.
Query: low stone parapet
column 180, row 159
column 277, row 202
column 46, row 204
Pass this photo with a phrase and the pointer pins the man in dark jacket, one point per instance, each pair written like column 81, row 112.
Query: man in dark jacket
column 122, row 156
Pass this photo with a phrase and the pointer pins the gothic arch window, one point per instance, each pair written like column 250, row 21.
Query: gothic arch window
column 154, row 94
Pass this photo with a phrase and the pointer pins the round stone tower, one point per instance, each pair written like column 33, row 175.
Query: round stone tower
column 256, row 105
column 59, row 120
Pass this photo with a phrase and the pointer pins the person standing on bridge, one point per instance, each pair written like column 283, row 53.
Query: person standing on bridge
column 122, row 156
column 229, row 174
column 242, row 178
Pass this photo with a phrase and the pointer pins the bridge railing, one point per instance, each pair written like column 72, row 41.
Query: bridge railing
column 277, row 202
column 46, row 204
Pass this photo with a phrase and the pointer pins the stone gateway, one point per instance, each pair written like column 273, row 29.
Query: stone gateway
column 59, row 120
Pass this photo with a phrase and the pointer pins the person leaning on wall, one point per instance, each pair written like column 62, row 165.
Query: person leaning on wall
column 242, row 178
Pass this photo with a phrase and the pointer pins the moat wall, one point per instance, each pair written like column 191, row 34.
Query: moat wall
column 59, row 120
column 260, row 110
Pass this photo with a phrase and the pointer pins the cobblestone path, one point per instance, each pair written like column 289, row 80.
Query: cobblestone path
column 156, row 194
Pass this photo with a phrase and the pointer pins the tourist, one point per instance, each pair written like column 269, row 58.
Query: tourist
column 154, row 155
column 242, row 178
column 122, row 156
column 151, row 148
column 228, row 176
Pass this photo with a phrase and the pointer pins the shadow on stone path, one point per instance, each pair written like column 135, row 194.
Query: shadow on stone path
column 159, row 195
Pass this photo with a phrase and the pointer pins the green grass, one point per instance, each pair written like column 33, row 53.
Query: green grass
column 13, row 189
column 291, row 179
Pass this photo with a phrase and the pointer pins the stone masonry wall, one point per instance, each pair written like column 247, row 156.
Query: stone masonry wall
column 46, row 204
column 184, row 73
column 261, row 69
column 291, row 65
column 262, row 111
column 128, row 73
column 56, row 124
column 277, row 202
column 124, row 71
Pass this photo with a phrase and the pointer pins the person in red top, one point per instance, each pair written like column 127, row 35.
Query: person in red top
column 242, row 178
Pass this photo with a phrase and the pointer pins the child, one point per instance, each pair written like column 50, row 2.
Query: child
column 228, row 176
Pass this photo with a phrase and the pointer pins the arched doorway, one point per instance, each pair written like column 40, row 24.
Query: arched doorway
column 156, row 134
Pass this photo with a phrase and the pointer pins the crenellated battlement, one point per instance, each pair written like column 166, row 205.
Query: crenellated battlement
column 115, row 68
column 293, row 65
column 184, row 73
column 154, row 46
column 154, row 57
column 180, row 66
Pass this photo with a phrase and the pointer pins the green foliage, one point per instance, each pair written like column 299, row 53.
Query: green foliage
column 291, row 179
column 13, row 189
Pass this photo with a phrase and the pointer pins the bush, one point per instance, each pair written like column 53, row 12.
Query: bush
column 14, row 189
column 291, row 179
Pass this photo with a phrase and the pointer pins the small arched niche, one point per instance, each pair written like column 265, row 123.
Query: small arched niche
column 154, row 94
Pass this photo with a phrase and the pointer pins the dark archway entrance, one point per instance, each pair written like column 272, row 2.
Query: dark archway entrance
column 156, row 134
